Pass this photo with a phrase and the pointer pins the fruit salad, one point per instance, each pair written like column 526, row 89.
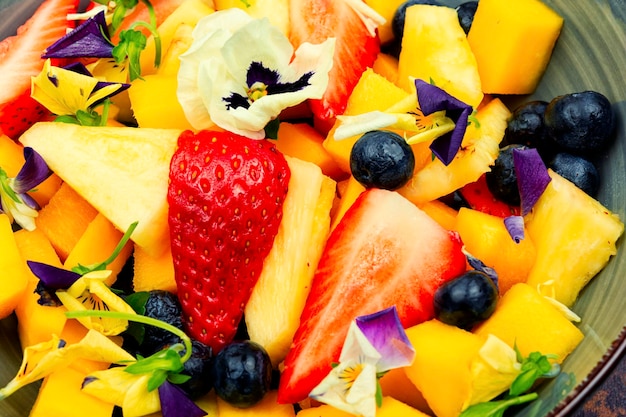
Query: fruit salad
column 312, row 208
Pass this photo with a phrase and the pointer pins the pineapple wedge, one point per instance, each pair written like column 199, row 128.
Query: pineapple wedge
column 122, row 171
column 574, row 235
column 273, row 311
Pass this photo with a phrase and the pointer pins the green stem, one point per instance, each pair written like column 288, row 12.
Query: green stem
column 139, row 319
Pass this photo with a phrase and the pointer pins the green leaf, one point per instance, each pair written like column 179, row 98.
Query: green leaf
column 164, row 360
column 496, row 408
column 66, row 118
column 132, row 43
column 137, row 301
column 379, row 394
column 271, row 129
column 156, row 379
column 178, row 378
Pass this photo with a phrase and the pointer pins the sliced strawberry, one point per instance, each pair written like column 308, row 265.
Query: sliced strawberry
column 225, row 205
column 384, row 252
column 479, row 197
column 356, row 49
column 20, row 114
column 20, row 55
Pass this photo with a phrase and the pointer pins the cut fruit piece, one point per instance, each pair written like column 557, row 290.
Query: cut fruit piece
column 525, row 318
column 478, row 196
column 135, row 163
column 486, row 238
column 14, row 279
column 384, row 252
column 277, row 11
column 390, row 408
column 478, row 152
column 387, row 9
column 396, row 384
column 575, row 236
column 356, row 49
column 62, row 230
column 153, row 273
column 435, row 49
column 267, row 407
column 387, row 66
column 512, row 42
column 273, row 310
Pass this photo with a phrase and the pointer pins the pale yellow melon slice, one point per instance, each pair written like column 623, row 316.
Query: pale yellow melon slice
column 273, row 311
column 121, row 171
column 277, row 11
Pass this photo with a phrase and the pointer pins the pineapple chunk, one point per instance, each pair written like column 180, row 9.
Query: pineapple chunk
column 273, row 311
column 14, row 274
column 277, row 11
column 574, row 235
column 122, row 171
column 478, row 152
column 267, row 407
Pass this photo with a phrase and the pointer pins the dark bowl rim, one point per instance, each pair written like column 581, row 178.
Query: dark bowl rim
column 585, row 388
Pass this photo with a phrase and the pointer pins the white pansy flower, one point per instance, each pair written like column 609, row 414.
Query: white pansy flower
column 241, row 72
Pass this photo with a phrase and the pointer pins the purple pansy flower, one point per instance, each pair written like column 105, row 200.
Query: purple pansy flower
column 89, row 40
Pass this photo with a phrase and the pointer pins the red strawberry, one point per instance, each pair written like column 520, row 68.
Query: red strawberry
column 225, row 205
column 20, row 58
column 356, row 49
column 384, row 252
column 479, row 197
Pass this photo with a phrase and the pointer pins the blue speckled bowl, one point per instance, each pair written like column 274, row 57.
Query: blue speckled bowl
column 590, row 55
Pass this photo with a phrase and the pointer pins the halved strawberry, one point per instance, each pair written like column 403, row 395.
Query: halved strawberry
column 20, row 58
column 356, row 49
column 225, row 198
column 479, row 197
column 384, row 252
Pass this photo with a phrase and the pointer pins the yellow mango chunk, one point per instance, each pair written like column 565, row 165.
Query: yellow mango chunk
column 97, row 244
column 65, row 219
column 12, row 159
column 349, row 195
column 153, row 273
column 528, row 319
column 60, row 395
column 396, row 384
column 435, row 49
column 486, row 237
column 267, row 407
column 386, row 8
column 387, row 66
column 372, row 92
column 441, row 368
column 14, row 278
column 390, row 408
column 73, row 332
column 443, row 214
column 512, row 42
column 300, row 140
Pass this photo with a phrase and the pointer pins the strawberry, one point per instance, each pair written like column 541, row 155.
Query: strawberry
column 20, row 58
column 479, row 197
column 356, row 49
column 225, row 205
column 384, row 252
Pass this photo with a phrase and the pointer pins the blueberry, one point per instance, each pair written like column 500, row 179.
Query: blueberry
column 526, row 126
column 199, row 367
column 466, row 300
column 502, row 180
column 466, row 12
column 382, row 159
column 580, row 123
column 164, row 306
column 242, row 373
column 578, row 170
column 399, row 17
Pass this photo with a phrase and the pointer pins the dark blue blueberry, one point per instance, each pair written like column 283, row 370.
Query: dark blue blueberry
column 164, row 306
column 242, row 373
column 199, row 367
column 526, row 127
column 466, row 300
column 580, row 123
column 580, row 171
column 382, row 159
column 502, row 179
column 466, row 12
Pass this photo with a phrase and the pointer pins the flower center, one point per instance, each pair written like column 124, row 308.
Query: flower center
column 257, row 90
column 350, row 374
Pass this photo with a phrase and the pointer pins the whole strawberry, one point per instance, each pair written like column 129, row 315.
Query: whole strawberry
column 225, row 198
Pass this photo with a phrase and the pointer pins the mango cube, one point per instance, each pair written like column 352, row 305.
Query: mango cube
column 390, row 408
column 14, row 279
column 512, row 42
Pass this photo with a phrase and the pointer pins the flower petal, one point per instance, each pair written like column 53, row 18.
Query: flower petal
column 175, row 403
column 386, row 334
column 432, row 99
column 515, row 226
column 52, row 277
column 33, row 172
column 532, row 177
column 478, row 265
column 88, row 40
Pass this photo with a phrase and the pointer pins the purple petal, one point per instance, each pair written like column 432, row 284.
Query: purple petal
column 29, row 201
column 89, row 40
column 175, row 403
column 432, row 99
column 478, row 265
column 79, row 68
column 515, row 226
column 532, row 177
column 53, row 277
column 34, row 172
column 385, row 332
